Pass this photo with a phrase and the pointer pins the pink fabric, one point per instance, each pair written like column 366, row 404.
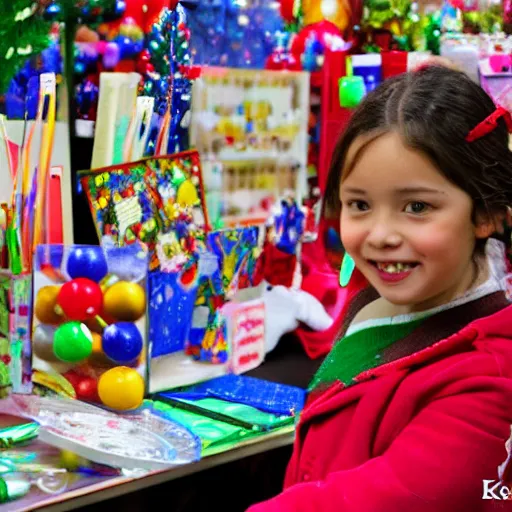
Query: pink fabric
column 419, row 435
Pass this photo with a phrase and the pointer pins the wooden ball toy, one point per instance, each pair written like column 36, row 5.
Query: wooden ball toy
column 72, row 342
column 87, row 389
column 87, row 262
column 42, row 343
column 121, row 388
column 80, row 299
column 125, row 301
column 45, row 304
column 122, row 342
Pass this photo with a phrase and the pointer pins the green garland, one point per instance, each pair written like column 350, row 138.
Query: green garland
column 23, row 34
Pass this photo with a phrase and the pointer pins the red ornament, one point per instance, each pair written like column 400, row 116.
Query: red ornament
column 287, row 10
column 125, row 66
column 143, row 62
column 327, row 33
column 80, row 299
column 151, row 11
column 143, row 12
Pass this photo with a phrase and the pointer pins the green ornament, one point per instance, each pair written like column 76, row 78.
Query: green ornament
column 352, row 91
column 72, row 342
column 347, row 268
column 148, row 87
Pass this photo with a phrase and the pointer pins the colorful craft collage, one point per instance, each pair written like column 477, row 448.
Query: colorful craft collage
column 193, row 271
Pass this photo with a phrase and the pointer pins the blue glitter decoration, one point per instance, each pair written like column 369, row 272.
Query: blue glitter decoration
column 266, row 396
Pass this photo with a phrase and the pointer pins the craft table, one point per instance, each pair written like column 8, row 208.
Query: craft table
column 256, row 464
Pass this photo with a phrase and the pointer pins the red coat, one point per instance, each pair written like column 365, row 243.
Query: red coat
column 419, row 434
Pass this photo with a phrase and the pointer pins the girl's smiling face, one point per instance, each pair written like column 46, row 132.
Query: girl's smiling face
column 408, row 228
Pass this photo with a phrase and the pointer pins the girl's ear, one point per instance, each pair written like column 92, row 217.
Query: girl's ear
column 487, row 225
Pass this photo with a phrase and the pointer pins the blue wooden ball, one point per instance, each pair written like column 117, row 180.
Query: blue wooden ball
column 122, row 342
column 88, row 262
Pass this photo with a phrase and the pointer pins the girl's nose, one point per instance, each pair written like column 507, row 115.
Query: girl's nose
column 383, row 235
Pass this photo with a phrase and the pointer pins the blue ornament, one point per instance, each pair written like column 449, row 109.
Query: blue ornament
column 119, row 8
column 52, row 12
column 126, row 47
column 79, row 67
column 162, row 86
column 122, row 342
column 88, row 262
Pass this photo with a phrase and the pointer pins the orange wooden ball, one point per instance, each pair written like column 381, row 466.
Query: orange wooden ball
column 98, row 357
column 44, row 308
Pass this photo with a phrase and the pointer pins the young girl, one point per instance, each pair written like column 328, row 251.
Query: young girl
column 411, row 409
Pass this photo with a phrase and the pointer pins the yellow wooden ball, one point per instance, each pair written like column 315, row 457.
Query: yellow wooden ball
column 121, row 388
column 44, row 308
column 125, row 301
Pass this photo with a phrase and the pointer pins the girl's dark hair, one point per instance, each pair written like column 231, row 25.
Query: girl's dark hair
column 433, row 110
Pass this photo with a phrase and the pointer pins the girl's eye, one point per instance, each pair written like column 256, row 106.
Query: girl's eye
column 417, row 207
column 358, row 206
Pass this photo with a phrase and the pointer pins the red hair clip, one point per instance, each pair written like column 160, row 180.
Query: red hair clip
column 489, row 124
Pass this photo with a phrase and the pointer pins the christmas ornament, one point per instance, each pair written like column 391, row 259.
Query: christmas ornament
column 23, row 34
column 325, row 35
column 111, row 55
column 289, row 9
column 352, row 91
column 337, row 12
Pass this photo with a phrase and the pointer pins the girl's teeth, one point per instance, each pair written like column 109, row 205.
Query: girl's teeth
column 394, row 268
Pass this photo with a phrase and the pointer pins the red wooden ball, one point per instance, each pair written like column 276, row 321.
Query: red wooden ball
column 80, row 299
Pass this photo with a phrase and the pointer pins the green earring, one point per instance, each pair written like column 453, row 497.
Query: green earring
column 347, row 268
